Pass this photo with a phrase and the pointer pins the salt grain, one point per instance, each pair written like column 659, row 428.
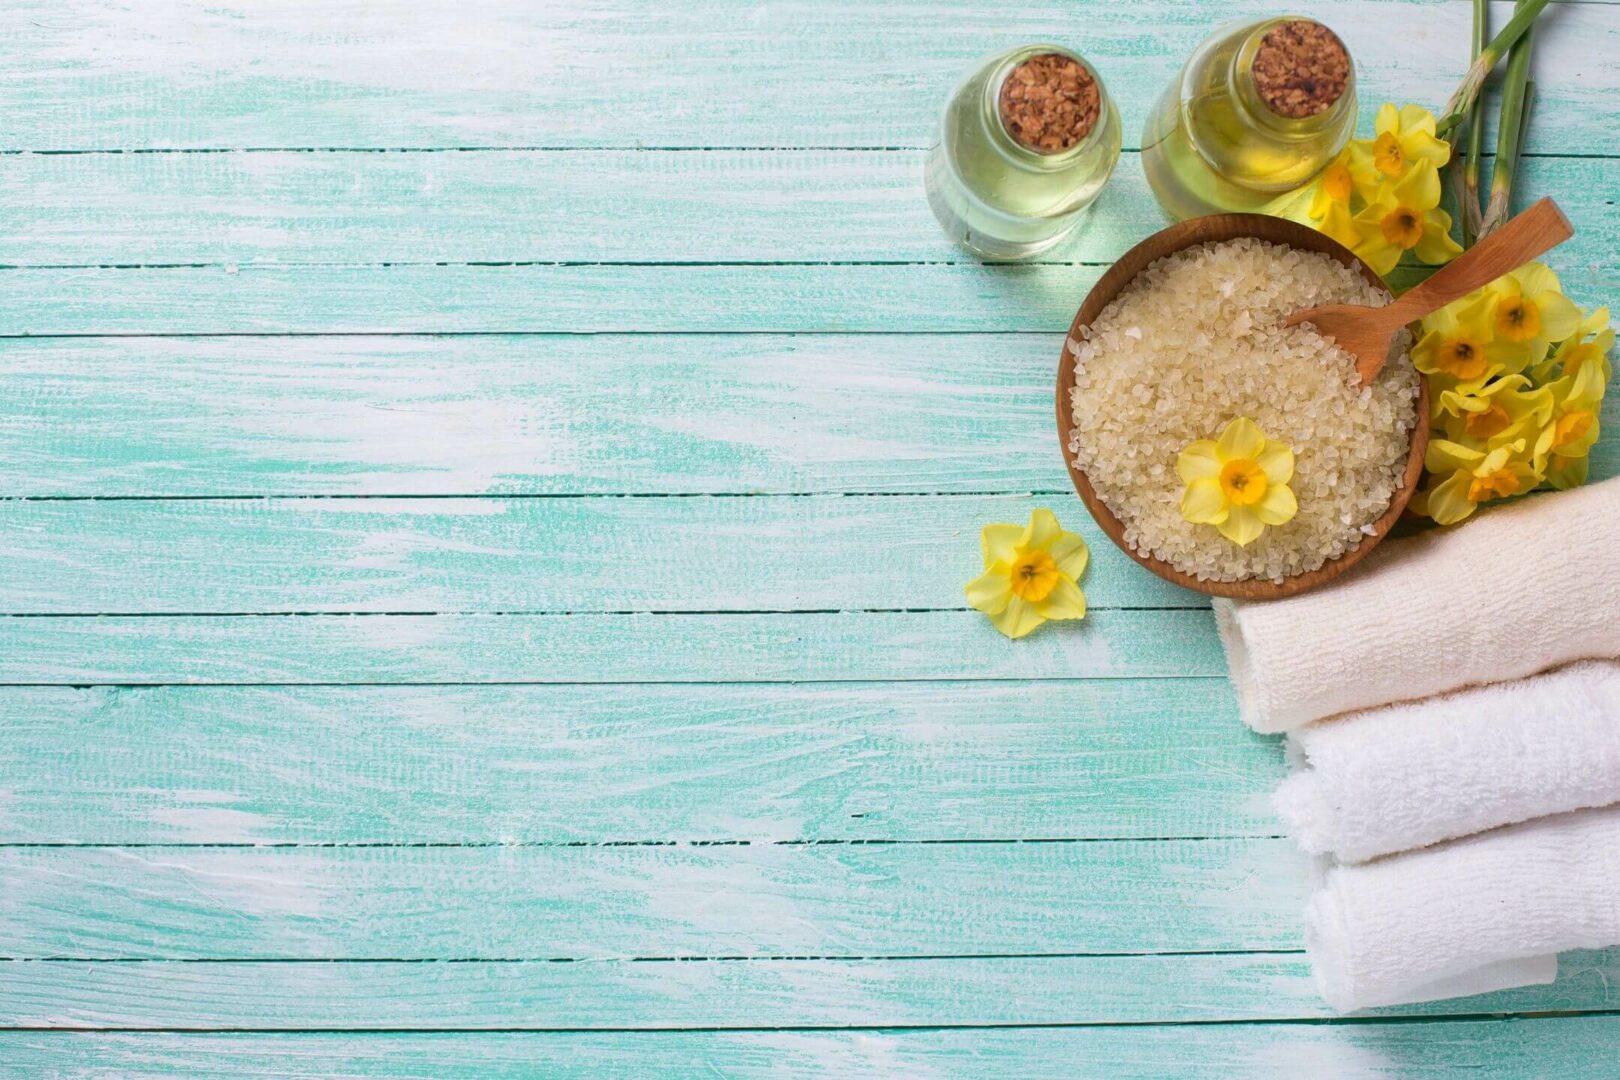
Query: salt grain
column 1206, row 346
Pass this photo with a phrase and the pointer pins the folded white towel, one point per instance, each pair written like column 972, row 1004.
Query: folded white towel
column 1401, row 777
column 1522, row 588
column 1476, row 914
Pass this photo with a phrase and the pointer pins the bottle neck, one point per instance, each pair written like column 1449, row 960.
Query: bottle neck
column 1011, row 148
column 1253, row 110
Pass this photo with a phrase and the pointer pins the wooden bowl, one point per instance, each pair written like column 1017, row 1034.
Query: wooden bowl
column 1133, row 262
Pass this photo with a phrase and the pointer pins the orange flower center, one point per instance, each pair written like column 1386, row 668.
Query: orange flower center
column 1496, row 485
column 1579, row 355
column 1461, row 358
column 1034, row 576
column 1403, row 227
column 1387, row 155
column 1518, row 319
column 1571, row 427
column 1243, row 481
column 1336, row 182
column 1488, row 424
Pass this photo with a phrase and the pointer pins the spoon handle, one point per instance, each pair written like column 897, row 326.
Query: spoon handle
column 1540, row 228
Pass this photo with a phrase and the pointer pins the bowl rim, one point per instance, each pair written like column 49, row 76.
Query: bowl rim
column 1167, row 241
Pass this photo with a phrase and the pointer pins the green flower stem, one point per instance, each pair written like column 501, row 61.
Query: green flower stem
column 1457, row 108
column 1509, row 132
column 1468, row 210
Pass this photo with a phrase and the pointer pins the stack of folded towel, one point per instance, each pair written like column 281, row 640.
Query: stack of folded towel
column 1469, row 832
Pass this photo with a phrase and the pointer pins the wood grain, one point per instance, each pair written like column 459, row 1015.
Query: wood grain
column 399, row 649
column 833, row 553
column 639, row 206
column 623, row 901
column 1523, row 1049
column 302, row 73
column 393, row 997
column 528, row 764
column 539, row 415
column 708, row 299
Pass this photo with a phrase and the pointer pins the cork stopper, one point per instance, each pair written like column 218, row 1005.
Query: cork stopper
column 1300, row 69
column 1049, row 103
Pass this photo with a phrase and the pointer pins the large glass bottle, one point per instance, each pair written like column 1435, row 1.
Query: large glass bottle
column 999, row 198
column 1213, row 145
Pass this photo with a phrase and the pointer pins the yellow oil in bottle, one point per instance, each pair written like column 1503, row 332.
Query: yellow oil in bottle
column 999, row 199
column 1212, row 146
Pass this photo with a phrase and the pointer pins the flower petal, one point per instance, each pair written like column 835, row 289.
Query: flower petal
column 1043, row 528
column 1277, row 506
column 1071, row 555
column 1436, row 245
column 1445, row 456
column 1203, row 503
column 1388, row 121
column 998, row 542
column 1277, row 462
column 1242, row 526
column 1199, row 461
column 1065, row 601
column 1420, row 188
column 1017, row 619
column 1241, row 439
column 1448, row 501
column 1560, row 318
column 990, row 591
column 1534, row 277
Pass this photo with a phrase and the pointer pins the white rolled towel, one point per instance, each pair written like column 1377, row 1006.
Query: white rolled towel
column 1405, row 776
column 1520, row 589
column 1478, row 914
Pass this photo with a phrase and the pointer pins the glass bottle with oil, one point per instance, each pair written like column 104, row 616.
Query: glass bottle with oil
column 1218, row 143
column 998, row 197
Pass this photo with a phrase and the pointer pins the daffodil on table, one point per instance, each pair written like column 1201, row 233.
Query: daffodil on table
column 1031, row 574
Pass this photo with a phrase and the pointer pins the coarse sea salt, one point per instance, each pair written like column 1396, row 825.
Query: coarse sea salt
column 1196, row 340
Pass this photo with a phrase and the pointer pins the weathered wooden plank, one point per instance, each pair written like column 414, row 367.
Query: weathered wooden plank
column 586, row 299
column 81, row 74
column 679, row 648
column 1508, row 1049
column 755, row 994
column 593, row 554
column 595, row 902
column 558, row 414
column 598, row 206
column 564, row 414
column 921, row 761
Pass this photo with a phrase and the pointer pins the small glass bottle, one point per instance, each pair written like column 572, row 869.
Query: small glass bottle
column 1216, row 144
column 997, row 196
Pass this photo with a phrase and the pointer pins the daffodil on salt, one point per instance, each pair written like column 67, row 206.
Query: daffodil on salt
column 1470, row 477
column 1031, row 574
column 1237, row 482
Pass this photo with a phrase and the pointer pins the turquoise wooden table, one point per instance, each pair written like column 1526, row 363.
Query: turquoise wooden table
column 487, row 492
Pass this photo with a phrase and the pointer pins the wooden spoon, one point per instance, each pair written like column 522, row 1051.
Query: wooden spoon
column 1364, row 332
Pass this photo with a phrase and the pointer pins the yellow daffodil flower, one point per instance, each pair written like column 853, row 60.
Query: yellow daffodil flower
column 1237, row 483
column 1590, row 344
column 1532, row 309
column 1506, row 409
column 1404, row 137
column 1566, row 441
column 1031, row 574
column 1468, row 477
column 1460, row 343
column 1405, row 216
column 1350, row 174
